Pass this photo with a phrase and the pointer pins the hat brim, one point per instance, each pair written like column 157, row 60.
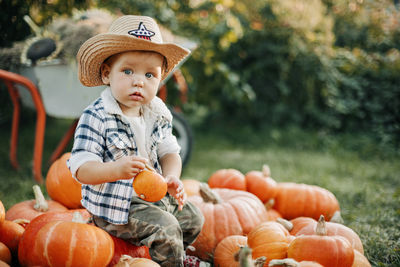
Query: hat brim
column 98, row 48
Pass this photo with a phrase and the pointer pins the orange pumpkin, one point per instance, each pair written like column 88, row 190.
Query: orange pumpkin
column 296, row 200
column 329, row 251
column 227, row 178
column 273, row 214
column 292, row 263
column 5, row 253
column 191, row 186
column 224, row 255
column 25, row 253
column 269, row 239
column 61, row 186
column 10, row 234
column 75, row 243
column 2, row 213
column 29, row 209
column 226, row 212
column 261, row 184
column 360, row 260
column 150, row 186
column 332, row 229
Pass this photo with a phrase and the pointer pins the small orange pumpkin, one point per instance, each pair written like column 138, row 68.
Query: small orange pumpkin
column 61, row 186
column 330, row 251
column 227, row 178
column 296, row 200
column 29, row 209
column 10, row 234
column 261, row 184
column 150, row 186
column 5, row 253
column 224, row 255
column 128, row 261
column 269, row 239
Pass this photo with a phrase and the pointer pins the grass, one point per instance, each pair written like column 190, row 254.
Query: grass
column 363, row 176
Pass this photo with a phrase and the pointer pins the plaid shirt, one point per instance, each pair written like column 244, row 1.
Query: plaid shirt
column 104, row 135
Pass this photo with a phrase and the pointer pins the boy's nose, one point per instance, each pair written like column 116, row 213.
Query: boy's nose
column 137, row 82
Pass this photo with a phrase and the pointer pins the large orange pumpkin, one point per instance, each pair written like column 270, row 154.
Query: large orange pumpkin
column 224, row 255
column 360, row 260
column 296, row 200
column 26, row 255
column 329, row 251
column 70, row 243
column 226, row 212
column 150, row 186
column 227, row 178
column 61, row 186
column 29, row 209
column 261, row 184
column 333, row 229
column 269, row 239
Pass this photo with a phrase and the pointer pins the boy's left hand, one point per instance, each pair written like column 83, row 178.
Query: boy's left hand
column 176, row 190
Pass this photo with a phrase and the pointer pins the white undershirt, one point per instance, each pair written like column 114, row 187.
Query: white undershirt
column 138, row 126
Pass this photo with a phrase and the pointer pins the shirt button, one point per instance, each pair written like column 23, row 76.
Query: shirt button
column 125, row 202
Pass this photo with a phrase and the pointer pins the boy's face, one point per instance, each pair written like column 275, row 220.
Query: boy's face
column 134, row 78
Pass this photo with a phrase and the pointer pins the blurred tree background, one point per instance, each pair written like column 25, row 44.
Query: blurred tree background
column 320, row 64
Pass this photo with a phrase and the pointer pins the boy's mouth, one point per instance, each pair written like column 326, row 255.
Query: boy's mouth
column 136, row 96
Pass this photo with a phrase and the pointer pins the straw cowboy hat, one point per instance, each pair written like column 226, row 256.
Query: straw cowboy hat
column 126, row 33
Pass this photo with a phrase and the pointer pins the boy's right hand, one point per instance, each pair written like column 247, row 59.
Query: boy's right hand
column 129, row 166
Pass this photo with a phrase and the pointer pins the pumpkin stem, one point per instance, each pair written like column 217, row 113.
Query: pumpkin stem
column 285, row 223
column 266, row 171
column 77, row 217
column 260, row 261
column 269, row 204
column 41, row 203
column 208, row 195
column 337, row 218
column 285, row 262
column 321, row 226
column 244, row 257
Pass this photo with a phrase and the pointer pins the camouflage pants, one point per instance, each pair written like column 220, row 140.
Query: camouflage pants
column 161, row 227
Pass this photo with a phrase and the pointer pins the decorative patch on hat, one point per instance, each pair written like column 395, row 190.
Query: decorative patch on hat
column 142, row 32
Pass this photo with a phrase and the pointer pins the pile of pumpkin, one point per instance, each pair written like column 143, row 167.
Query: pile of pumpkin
column 282, row 222
column 246, row 217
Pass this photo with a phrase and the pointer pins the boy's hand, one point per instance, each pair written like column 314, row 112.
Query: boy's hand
column 129, row 166
column 176, row 189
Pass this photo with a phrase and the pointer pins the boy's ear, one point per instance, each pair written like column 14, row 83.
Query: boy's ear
column 105, row 73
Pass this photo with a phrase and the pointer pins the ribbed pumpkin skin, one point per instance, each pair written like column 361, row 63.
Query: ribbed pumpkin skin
column 10, row 234
column 26, row 255
column 26, row 210
column 329, row 251
column 260, row 185
column 301, row 222
column 335, row 229
column 296, row 200
column 61, row 243
column 269, row 239
column 224, row 255
column 227, row 178
column 61, row 186
column 237, row 214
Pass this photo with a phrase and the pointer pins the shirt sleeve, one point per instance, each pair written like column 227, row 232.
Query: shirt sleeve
column 88, row 141
column 169, row 143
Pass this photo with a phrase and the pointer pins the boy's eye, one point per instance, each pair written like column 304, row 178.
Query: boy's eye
column 149, row 75
column 128, row 72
